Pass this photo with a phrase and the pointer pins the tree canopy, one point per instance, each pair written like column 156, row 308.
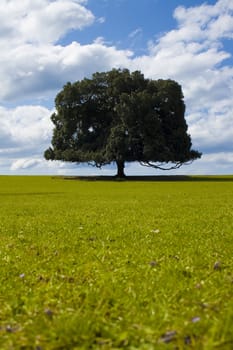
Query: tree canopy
column 119, row 116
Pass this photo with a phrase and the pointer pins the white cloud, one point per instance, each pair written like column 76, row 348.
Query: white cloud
column 210, row 22
column 135, row 33
column 34, row 71
column 101, row 20
column 25, row 128
column 25, row 164
column 42, row 21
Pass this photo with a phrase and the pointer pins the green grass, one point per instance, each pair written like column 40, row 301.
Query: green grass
column 116, row 265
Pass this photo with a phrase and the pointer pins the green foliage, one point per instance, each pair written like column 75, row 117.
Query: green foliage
column 116, row 265
column 118, row 116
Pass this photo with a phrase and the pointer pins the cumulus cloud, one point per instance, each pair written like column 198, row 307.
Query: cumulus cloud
column 25, row 163
column 36, row 71
column 32, row 62
column 212, row 130
column 24, row 128
column 42, row 21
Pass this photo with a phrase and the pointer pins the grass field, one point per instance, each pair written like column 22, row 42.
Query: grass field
column 116, row 265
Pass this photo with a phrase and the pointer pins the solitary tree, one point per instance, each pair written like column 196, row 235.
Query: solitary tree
column 118, row 116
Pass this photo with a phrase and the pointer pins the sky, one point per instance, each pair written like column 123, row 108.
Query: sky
column 45, row 43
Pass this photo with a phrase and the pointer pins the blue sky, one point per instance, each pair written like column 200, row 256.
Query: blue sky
column 45, row 43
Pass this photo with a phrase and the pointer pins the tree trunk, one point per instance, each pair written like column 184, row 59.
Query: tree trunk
column 120, row 168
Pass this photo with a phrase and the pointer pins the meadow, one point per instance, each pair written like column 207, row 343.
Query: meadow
column 116, row 264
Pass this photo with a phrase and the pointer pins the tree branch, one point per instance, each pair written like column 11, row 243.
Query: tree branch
column 162, row 167
column 94, row 164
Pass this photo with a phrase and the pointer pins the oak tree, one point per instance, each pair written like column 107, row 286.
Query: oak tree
column 120, row 117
